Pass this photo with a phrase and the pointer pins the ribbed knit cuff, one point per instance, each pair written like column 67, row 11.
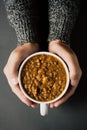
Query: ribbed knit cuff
column 27, row 30
column 23, row 17
column 62, row 17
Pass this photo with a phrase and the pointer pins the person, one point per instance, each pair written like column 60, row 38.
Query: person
column 23, row 16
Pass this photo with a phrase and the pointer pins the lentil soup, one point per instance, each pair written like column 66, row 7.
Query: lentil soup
column 43, row 77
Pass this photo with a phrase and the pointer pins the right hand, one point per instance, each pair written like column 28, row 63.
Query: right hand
column 11, row 68
column 69, row 56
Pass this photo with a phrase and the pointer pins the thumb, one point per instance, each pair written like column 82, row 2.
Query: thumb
column 66, row 53
column 15, row 59
column 61, row 49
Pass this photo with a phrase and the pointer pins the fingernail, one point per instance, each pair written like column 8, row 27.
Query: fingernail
column 33, row 106
column 56, row 105
column 51, row 106
column 28, row 104
column 14, row 81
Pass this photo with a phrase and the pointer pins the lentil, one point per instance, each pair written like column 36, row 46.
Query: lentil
column 43, row 77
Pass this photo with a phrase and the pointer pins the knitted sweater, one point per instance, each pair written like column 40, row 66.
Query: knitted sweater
column 24, row 17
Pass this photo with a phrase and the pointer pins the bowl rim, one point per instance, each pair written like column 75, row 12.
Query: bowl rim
column 66, row 69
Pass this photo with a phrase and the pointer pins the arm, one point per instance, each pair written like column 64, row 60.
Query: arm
column 62, row 18
column 23, row 17
column 75, row 72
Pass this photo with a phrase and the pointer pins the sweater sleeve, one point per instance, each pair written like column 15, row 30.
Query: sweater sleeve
column 23, row 17
column 62, row 18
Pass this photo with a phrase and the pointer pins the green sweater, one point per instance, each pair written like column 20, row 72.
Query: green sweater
column 24, row 17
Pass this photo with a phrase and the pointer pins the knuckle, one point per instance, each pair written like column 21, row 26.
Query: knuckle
column 74, row 76
column 13, row 90
column 77, row 76
column 16, row 54
column 73, row 92
column 80, row 72
column 5, row 70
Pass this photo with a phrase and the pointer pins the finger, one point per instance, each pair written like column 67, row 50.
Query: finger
column 70, row 58
column 51, row 105
column 13, row 82
column 11, row 72
column 70, row 92
column 34, row 105
column 16, row 90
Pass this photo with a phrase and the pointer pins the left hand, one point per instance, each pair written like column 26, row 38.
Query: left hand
column 11, row 68
column 65, row 52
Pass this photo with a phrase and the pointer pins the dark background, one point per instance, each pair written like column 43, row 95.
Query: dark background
column 72, row 115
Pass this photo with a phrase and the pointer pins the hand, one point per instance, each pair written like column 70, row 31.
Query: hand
column 65, row 52
column 11, row 68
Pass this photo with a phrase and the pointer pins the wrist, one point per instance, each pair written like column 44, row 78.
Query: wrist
column 58, row 42
column 29, row 46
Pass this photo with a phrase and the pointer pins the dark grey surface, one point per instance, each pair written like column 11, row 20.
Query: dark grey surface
column 14, row 115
